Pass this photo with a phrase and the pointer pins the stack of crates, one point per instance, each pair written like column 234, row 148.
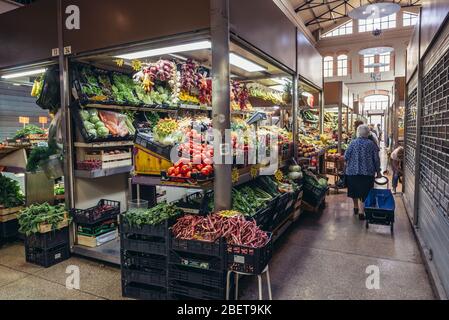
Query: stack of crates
column 96, row 225
column 197, row 270
column 144, row 261
column 9, row 224
column 48, row 249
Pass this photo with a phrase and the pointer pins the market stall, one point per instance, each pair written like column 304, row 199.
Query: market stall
column 142, row 113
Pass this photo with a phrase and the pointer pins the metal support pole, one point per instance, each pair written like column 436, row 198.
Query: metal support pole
column 322, row 111
column 340, row 125
column 66, row 123
column 221, row 111
column 295, row 96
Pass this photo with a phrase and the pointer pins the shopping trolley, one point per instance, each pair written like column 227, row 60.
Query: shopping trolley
column 380, row 206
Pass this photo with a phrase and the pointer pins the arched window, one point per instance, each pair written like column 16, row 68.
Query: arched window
column 328, row 67
column 376, row 102
column 342, row 65
column 385, row 58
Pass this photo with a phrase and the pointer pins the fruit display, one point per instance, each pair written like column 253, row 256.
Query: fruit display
column 38, row 85
column 10, row 194
column 266, row 94
column 331, row 120
column 89, row 165
column 307, row 150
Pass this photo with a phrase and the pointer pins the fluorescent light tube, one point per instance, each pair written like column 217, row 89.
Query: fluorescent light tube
column 23, row 74
column 245, row 64
column 278, row 87
column 167, row 50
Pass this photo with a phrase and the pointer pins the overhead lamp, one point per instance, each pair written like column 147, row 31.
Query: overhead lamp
column 282, row 81
column 376, row 51
column 23, row 74
column 374, row 10
column 307, row 94
column 200, row 45
column 245, row 64
column 377, row 65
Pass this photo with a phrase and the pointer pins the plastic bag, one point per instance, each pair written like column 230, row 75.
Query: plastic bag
column 114, row 122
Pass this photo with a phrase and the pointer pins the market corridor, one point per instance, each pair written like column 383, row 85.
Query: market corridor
column 325, row 256
column 321, row 256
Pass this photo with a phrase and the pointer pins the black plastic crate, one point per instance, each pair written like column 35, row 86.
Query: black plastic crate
column 93, row 215
column 143, row 292
column 215, row 249
column 160, row 230
column 196, row 203
column 247, row 259
column 9, row 229
column 97, row 229
column 48, row 240
column 47, row 257
column 183, row 290
column 197, row 276
column 137, row 244
column 141, row 260
column 195, row 262
column 313, row 195
column 264, row 216
column 148, row 276
column 145, row 140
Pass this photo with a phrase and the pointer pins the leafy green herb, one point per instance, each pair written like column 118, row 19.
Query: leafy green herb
column 10, row 194
column 152, row 216
column 37, row 155
column 27, row 130
column 31, row 217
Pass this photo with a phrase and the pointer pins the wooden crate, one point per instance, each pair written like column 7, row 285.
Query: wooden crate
column 9, row 217
column 93, row 242
column 109, row 161
column 44, row 228
column 8, row 211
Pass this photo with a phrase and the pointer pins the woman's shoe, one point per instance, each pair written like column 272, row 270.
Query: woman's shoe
column 356, row 211
column 361, row 216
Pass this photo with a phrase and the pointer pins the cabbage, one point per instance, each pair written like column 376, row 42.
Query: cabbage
column 93, row 112
column 88, row 125
column 94, row 119
column 102, row 132
column 84, row 115
column 92, row 132
column 99, row 124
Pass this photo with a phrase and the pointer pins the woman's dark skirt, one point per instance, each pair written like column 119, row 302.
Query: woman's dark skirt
column 359, row 186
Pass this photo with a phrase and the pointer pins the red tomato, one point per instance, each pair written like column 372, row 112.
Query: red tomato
column 177, row 171
column 171, row 170
column 194, row 170
column 185, row 169
column 205, row 171
column 189, row 174
column 199, row 166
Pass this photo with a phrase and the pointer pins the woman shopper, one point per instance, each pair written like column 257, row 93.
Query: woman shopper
column 362, row 164
column 397, row 158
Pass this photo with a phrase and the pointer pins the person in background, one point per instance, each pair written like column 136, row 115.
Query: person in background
column 373, row 135
column 379, row 132
column 362, row 165
column 335, row 135
column 357, row 123
column 397, row 158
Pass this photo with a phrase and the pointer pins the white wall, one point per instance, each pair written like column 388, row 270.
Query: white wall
column 357, row 81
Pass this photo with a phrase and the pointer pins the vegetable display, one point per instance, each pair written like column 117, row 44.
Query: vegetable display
column 248, row 200
column 31, row 217
column 166, row 132
column 152, row 216
column 236, row 230
column 27, row 130
column 10, row 194
column 37, row 155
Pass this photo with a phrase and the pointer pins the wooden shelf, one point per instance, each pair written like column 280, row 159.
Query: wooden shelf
column 102, row 172
column 110, row 144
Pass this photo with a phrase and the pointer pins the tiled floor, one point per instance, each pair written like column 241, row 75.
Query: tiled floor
column 321, row 256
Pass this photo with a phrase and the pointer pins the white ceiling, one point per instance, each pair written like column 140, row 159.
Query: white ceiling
column 322, row 14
